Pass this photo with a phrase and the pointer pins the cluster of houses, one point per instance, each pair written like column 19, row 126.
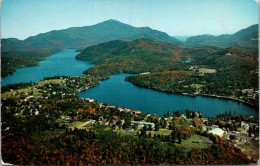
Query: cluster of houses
column 242, row 134
column 249, row 94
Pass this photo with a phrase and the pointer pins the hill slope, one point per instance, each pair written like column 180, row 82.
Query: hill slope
column 81, row 37
column 138, row 56
column 246, row 39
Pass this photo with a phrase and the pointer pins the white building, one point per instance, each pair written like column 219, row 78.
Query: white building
column 142, row 123
column 217, row 131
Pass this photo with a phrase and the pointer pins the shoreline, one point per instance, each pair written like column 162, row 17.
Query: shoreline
column 199, row 94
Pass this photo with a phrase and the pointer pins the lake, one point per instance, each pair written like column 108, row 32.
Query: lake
column 116, row 91
column 60, row 63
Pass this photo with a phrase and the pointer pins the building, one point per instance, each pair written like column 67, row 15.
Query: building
column 217, row 131
column 142, row 124
column 243, row 140
column 135, row 112
column 244, row 126
column 183, row 116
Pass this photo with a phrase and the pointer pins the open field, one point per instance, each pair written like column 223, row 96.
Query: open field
column 189, row 143
column 16, row 93
column 161, row 132
column 206, row 70
column 74, row 124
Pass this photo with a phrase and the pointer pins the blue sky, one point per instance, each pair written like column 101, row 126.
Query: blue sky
column 23, row 18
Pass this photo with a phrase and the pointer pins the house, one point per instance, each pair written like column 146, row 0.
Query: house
column 92, row 122
column 135, row 112
column 197, row 115
column 121, row 109
column 244, row 126
column 105, row 123
column 68, row 118
column 247, row 91
column 183, row 116
column 204, row 127
column 142, row 124
column 100, row 118
column 36, row 112
column 27, row 98
column 147, row 115
column 145, row 73
column 243, row 140
column 89, row 100
column 115, row 117
column 116, row 127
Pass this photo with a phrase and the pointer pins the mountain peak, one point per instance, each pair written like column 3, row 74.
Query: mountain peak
column 113, row 20
column 110, row 21
column 81, row 37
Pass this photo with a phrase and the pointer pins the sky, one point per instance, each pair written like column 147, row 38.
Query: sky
column 23, row 18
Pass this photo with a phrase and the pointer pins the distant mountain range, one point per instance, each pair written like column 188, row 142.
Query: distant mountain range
column 82, row 37
column 246, row 39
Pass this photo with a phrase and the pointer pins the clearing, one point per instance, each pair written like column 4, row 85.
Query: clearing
column 206, row 70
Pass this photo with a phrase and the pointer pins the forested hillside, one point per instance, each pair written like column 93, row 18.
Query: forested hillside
column 138, row 56
column 13, row 59
column 246, row 39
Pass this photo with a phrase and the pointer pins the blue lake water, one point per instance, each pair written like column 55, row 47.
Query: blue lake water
column 60, row 63
column 117, row 91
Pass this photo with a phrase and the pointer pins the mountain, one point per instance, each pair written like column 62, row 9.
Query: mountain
column 82, row 37
column 246, row 39
column 232, row 58
column 140, row 55
column 14, row 44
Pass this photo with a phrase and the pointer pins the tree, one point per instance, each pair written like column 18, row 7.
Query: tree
column 232, row 137
column 135, row 126
column 150, row 127
column 179, row 137
column 168, row 114
column 119, row 123
column 127, row 123
column 174, row 136
column 157, row 127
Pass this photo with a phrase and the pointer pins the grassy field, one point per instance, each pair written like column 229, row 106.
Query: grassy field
column 206, row 70
column 161, row 132
column 16, row 93
column 70, row 124
column 189, row 145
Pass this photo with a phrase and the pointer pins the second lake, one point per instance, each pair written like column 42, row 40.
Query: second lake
column 116, row 91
